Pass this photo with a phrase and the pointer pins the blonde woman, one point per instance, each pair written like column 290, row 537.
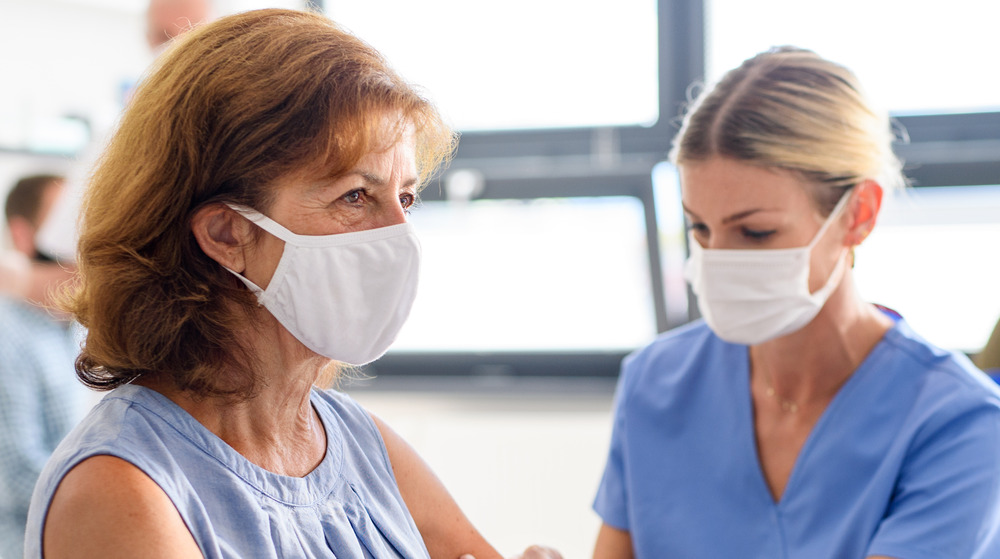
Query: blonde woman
column 796, row 419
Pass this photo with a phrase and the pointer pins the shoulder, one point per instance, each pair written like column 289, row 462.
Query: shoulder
column 690, row 353
column 101, row 495
column 944, row 377
column 100, row 479
column 115, row 427
column 692, row 338
column 950, row 396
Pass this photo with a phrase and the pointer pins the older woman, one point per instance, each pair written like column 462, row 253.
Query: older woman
column 795, row 420
column 246, row 226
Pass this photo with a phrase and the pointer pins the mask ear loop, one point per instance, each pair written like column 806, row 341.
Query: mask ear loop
column 829, row 286
column 248, row 214
column 837, row 210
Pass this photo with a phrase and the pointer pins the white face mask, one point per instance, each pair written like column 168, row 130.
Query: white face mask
column 751, row 296
column 344, row 296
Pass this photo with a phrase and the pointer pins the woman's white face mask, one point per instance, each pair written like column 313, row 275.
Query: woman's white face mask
column 750, row 296
column 344, row 296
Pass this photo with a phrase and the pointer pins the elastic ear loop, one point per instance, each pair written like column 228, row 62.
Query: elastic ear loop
column 837, row 210
column 253, row 287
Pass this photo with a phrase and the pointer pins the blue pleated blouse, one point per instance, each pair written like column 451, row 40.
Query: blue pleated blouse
column 348, row 507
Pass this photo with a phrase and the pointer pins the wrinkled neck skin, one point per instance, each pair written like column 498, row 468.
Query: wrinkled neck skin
column 812, row 363
column 277, row 429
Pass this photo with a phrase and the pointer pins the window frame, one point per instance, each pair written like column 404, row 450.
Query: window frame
column 564, row 163
column 942, row 149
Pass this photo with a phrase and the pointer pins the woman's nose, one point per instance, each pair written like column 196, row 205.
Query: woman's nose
column 392, row 214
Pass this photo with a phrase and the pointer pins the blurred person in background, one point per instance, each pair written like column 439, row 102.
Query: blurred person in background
column 40, row 400
column 244, row 233
column 166, row 19
column 796, row 419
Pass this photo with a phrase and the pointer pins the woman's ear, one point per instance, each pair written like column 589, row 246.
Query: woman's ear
column 863, row 209
column 223, row 235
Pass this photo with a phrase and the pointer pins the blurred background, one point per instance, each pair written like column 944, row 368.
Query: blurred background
column 554, row 243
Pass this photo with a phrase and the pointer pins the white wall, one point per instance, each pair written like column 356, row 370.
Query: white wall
column 523, row 460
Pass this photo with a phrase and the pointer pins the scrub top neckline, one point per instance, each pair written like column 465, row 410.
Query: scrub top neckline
column 829, row 415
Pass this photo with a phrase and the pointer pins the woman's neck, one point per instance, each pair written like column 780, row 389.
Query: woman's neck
column 277, row 427
column 810, row 365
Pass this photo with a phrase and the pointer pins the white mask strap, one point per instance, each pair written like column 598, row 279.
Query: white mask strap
column 264, row 222
column 837, row 210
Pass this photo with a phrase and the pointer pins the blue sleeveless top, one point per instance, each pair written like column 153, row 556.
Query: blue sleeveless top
column 348, row 507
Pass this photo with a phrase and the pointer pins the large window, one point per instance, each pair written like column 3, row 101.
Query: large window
column 553, row 243
column 931, row 259
column 520, row 64
column 541, row 274
column 942, row 92
column 912, row 58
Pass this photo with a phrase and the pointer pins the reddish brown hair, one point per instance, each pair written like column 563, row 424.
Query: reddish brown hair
column 232, row 107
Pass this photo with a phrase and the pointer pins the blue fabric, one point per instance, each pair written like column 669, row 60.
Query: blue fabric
column 348, row 507
column 994, row 374
column 40, row 401
column 904, row 462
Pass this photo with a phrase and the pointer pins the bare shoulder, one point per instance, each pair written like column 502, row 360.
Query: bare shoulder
column 106, row 507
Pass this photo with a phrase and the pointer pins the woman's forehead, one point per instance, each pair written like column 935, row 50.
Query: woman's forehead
column 720, row 187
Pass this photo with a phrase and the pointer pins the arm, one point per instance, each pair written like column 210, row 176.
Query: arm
column 613, row 543
column 446, row 531
column 106, row 508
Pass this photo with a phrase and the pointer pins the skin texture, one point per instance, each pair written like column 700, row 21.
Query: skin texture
column 278, row 429
column 733, row 205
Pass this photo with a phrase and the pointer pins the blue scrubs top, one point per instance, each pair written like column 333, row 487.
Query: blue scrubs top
column 904, row 462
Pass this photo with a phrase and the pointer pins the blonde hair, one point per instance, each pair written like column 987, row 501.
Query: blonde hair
column 788, row 108
column 230, row 108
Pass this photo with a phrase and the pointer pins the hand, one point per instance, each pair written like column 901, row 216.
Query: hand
column 533, row 552
column 539, row 552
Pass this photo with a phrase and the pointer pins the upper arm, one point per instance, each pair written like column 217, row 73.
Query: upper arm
column 613, row 543
column 446, row 531
column 107, row 508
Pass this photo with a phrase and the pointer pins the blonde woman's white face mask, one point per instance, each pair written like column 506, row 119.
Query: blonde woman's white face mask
column 345, row 296
column 750, row 296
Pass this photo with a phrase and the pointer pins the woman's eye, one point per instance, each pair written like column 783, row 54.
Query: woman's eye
column 353, row 197
column 757, row 235
column 407, row 200
column 698, row 228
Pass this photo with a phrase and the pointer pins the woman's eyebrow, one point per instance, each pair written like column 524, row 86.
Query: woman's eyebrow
column 376, row 180
column 735, row 217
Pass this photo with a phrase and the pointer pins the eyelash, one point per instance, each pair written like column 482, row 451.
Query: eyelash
column 752, row 234
column 757, row 235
